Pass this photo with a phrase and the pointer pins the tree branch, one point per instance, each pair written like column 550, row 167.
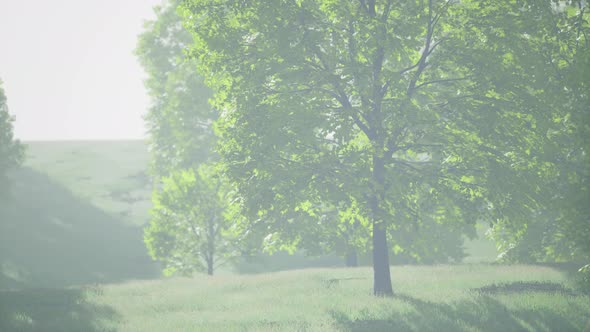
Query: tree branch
column 421, row 65
column 363, row 127
column 391, row 144
column 429, row 46
column 440, row 13
column 440, row 81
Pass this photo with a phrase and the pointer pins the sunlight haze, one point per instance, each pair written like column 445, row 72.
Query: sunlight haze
column 317, row 165
column 68, row 68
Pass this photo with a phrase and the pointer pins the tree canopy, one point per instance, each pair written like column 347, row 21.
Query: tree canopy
column 422, row 110
column 554, row 57
column 190, row 230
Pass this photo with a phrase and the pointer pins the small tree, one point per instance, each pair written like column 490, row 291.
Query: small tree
column 11, row 150
column 188, row 231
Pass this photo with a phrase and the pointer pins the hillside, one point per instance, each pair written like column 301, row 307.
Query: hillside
column 108, row 174
column 75, row 216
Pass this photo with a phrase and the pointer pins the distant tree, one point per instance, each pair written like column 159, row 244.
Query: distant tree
column 546, row 217
column 11, row 150
column 190, row 229
column 185, row 230
column 179, row 119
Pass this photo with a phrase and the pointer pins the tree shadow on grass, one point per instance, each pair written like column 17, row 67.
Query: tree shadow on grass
column 51, row 238
column 51, row 310
column 526, row 286
column 483, row 313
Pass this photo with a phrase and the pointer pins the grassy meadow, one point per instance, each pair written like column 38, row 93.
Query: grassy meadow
column 72, row 258
column 111, row 175
column 428, row 298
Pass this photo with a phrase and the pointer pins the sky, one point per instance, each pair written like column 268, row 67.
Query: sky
column 68, row 68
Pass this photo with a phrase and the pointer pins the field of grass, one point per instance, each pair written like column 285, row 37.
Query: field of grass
column 428, row 298
column 111, row 175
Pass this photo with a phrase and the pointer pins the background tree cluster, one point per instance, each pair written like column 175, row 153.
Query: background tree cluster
column 188, row 226
column 351, row 125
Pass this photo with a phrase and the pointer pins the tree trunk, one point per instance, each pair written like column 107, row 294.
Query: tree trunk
column 211, row 237
column 381, row 272
column 351, row 258
column 210, row 266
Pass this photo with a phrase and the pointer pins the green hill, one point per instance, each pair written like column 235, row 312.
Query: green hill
column 75, row 216
column 108, row 174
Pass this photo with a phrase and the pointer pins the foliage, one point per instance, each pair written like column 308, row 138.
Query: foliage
column 11, row 150
column 546, row 217
column 189, row 230
column 431, row 233
column 388, row 106
column 179, row 119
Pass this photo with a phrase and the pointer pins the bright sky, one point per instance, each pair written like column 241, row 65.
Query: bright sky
column 68, row 67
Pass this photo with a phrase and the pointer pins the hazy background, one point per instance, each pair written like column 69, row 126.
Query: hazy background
column 68, row 67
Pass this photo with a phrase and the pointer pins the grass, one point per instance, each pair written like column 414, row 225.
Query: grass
column 428, row 298
column 111, row 175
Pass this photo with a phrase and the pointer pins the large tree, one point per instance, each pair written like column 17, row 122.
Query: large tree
column 404, row 108
column 11, row 150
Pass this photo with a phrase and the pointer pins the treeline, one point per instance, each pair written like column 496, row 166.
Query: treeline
column 345, row 126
